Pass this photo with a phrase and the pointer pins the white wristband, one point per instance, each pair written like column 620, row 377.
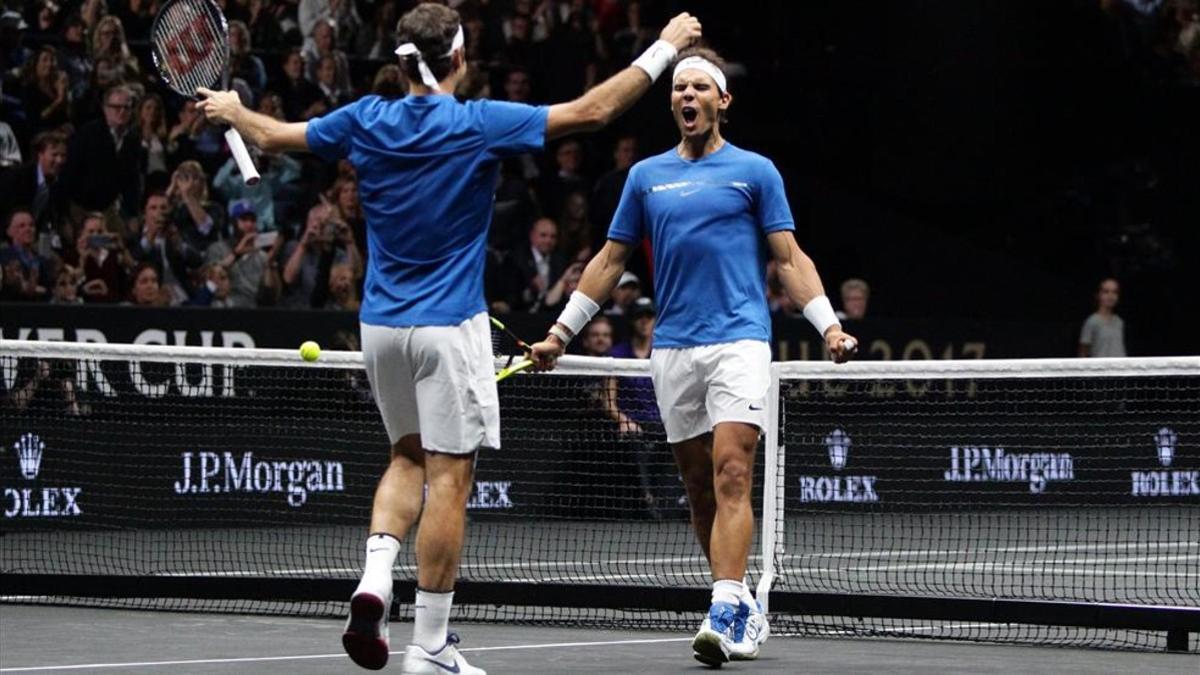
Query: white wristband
column 561, row 334
column 820, row 314
column 579, row 311
column 656, row 59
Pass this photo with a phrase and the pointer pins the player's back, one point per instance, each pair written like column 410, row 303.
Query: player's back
column 427, row 168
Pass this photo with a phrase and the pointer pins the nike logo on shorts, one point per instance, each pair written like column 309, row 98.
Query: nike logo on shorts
column 372, row 550
column 754, row 407
column 452, row 668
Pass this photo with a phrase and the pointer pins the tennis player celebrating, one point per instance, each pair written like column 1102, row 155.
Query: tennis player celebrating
column 713, row 213
column 427, row 166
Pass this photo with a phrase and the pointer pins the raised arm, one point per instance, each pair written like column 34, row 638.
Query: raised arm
column 607, row 100
column 258, row 129
column 800, row 281
column 598, row 280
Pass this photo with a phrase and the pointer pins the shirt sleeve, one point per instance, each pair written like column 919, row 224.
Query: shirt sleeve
column 1088, row 334
column 774, row 214
column 513, row 128
column 329, row 136
column 628, row 224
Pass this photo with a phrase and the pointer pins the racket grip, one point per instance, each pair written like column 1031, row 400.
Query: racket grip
column 242, row 156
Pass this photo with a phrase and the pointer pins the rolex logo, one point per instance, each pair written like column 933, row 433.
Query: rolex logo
column 29, row 454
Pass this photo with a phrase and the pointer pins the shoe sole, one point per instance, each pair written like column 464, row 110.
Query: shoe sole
column 706, row 649
column 361, row 639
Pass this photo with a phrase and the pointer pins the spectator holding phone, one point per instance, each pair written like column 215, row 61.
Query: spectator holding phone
column 249, row 258
column 200, row 222
column 157, row 241
column 324, row 242
column 215, row 290
column 102, row 261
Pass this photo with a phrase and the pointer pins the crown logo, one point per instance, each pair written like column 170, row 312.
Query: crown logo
column 838, row 444
column 1166, row 439
column 29, row 454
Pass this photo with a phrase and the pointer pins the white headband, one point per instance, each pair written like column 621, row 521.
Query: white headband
column 704, row 66
column 409, row 49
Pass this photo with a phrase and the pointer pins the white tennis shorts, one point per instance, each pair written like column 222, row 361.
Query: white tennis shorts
column 700, row 387
column 436, row 381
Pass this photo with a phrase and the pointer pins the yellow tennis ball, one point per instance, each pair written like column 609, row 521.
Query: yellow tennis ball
column 310, row 351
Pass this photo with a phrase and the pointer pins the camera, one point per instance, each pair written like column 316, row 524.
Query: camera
column 101, row 241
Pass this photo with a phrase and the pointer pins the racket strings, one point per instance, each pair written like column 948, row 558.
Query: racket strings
column 188, row 41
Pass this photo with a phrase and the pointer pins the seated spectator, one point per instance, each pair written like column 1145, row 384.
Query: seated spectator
column 302, row 100
column 1103, row 333
column 312, row 14
column 200, row 221
column 102, row 260
column 855, row 294
column 45, row 91
column 343, row 289
column 323, row 243
column 155, row 240
column 181, row 140
column 215, row 290
column 152, row 127
column 66, row 287
column 28, row 276
column 322, row 45
column 146, row 291
column 242, row 63
column 535, row 268
column 558, row 295
column 108, row 42
column 334, row 95
column 105, row 162
column 36, row 184
column 628, row 290
column 567, row 176
column 343, row 197
column 74, row 59
column 249, row 258
column 276, row 173
column 575, row 230
column 387, row 82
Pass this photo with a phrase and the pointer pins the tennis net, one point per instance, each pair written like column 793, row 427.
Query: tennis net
column 1029, row 501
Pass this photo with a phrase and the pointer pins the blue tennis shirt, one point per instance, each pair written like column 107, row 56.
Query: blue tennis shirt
column 427, row 172
column 707, row 220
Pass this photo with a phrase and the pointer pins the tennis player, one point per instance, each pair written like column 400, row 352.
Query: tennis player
column 427, row 167
column 714, row 213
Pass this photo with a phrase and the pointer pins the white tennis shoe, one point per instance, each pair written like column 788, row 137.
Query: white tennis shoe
column 756, row 633
column 366, row 636
column 720, row 634
column 446, row 660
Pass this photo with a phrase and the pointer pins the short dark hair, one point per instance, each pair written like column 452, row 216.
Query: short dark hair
column 47, row 139
column 708, row 54
column 431, row 27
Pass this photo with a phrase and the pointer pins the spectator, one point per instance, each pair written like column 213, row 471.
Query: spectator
column 554, row 186
column 628, row 291
column 45, row 91
column 634, row 37
column 74, row 57
column 199, row 221
column 519, row 49
column 309, row 260
column 243, row 64
column 607, row 192
column 569, row 57
column 108, row 42
column 378, row 43
column 136, row 17
column 302, row 100
column 323, row 45
column 575, row 232
column 215, row 290
column 855, row 294
column 277, row 172
column 28, row 276
column 558, row 295
column 36, row 184
column 66, row 287
column 106, row 161
column 152, row 127
column 250, row 260
column 13, row 53
column 638, row 419
column 157, row 241
column 1103, row 333
column 334, row 95
column 102, row 259
column 146, row 291
column 387, row 82
column 343, row 196
column 10, row 147
column 313, row 14
column 533, row 270
column 517, row 86
column 343, row 289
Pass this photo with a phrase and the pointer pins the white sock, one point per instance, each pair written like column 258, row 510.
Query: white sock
column 432, row 620
column 727, row 591
column 747, row 596
column 382, row 550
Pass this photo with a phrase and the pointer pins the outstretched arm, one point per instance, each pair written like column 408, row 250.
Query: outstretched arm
column 598, row 280
column 607, row 100
column 261, row 130
column 800, row 281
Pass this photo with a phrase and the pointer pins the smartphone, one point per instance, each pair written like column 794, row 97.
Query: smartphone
column 100, row 241
column 266, row 239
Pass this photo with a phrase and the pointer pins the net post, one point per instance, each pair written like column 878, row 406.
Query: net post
column 772, row 494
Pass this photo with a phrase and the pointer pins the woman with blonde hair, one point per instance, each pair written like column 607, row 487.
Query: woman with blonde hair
column 199, row 220
column 108, row 42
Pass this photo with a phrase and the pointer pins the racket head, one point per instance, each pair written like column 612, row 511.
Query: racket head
column 508, row 349
column 190, row 45
column 513, row 369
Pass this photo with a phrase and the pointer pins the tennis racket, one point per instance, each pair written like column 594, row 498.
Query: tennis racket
column 506, row 345
column 190, row 46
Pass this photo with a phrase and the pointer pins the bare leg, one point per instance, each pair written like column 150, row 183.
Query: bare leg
column 440, row 535
column 694, row 458
column 734, row 445
column 401, row 489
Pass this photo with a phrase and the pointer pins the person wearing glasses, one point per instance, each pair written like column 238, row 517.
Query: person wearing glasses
column 106, row 159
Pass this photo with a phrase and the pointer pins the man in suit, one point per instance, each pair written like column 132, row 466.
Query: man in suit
column 106, row 161
column 35, row 185
column 533, row 269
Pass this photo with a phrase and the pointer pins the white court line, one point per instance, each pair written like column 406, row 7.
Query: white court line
column 1002, row 549
column 261, row 659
